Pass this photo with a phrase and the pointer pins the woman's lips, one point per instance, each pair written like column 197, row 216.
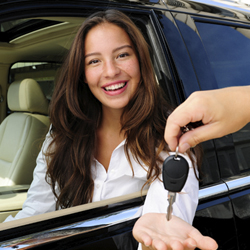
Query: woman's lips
column 115, row 88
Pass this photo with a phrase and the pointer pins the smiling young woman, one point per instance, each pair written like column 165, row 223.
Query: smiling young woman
column 108, row 49
column 112, row 73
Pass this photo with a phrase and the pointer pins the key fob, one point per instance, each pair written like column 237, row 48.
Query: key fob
column 174, row 173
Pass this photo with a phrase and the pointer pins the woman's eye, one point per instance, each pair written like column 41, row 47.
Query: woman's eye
column 94, row 61
column 123, row 55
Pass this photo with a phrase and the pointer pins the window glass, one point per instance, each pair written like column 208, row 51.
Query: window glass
column 5, row 26
column 228, row 50
column 43, row 72
column 17, row 28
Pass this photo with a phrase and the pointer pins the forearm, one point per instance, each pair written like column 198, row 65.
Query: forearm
column 222, row 111
column 240, row 96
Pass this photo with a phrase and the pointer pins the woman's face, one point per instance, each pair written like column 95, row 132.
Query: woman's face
column 112, row 69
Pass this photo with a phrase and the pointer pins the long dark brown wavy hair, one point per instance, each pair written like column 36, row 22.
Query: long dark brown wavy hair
column 75, row 116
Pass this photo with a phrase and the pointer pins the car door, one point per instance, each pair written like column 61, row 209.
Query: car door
column 215, row 213
column 230, row 64
column 219, row 49
column 106, row 225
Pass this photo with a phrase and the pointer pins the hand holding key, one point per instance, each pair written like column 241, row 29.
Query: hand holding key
column 174, row 174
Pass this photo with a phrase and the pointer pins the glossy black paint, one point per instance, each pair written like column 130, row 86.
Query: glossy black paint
column 185, row 67
column 185, row 78
column 242, row 217
column 217, row 220
column 70, row 219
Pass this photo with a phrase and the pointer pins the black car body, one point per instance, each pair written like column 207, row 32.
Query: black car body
column 194, row 46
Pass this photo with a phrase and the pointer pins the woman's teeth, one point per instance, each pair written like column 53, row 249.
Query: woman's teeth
column 115, row 86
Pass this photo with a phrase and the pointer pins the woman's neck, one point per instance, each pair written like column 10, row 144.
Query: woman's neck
column 111, row 120
column 109, row 136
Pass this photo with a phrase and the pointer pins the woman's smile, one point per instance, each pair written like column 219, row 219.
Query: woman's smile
column 115, row 88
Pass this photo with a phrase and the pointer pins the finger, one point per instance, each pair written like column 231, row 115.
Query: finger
column 142, row 237
column 207, row 243
column 159, row 245
column 173, row 128
column 145, row 239
column 189, row 244
column 203, row 242
column 178, row 119
column 176, row 245
column 143, row 247
column 198, row 135
column 172, row 134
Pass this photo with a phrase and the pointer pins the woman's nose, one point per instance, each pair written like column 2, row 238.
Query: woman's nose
column 111, row 69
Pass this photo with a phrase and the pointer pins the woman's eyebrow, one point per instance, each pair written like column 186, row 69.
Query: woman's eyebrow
column 116, row 49
column 92, row 54
column 124, row 46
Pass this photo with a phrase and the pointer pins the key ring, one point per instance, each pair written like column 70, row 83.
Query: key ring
column 185, row 129
column 176, row 153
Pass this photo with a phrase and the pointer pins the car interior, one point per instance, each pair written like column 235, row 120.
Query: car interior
column 21, row 130
column 29, row 63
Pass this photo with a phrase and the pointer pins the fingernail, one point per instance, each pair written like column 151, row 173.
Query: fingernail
column 184, row 147
column 191, row 246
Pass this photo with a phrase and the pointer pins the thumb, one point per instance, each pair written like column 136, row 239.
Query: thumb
column 203, row 242
column 200, row 134
column 208, row 242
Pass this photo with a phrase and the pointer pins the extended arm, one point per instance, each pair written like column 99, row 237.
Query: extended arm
column 222, row 111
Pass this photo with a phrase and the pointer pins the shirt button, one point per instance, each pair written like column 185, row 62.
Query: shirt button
column 98, row 185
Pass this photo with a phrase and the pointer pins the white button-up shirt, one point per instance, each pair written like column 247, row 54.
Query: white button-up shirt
column 116, row 181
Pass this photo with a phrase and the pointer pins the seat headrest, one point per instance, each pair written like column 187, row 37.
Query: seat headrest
column 27, row 96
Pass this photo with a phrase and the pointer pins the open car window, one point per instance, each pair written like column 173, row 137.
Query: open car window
column 36, row 49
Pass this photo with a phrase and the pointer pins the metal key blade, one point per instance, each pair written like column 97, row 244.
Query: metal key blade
column 171, row 200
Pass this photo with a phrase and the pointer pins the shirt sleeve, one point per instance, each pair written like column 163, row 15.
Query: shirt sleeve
column 186, row 202
column 40, row 198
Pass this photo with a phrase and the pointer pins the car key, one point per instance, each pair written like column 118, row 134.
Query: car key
column 174, row 174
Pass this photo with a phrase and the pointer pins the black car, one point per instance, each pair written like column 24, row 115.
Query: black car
column 194, row 46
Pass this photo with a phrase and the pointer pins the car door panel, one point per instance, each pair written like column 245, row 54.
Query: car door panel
column 214, row 65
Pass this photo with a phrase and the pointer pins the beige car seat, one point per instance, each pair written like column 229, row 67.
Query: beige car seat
column 22, row 132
